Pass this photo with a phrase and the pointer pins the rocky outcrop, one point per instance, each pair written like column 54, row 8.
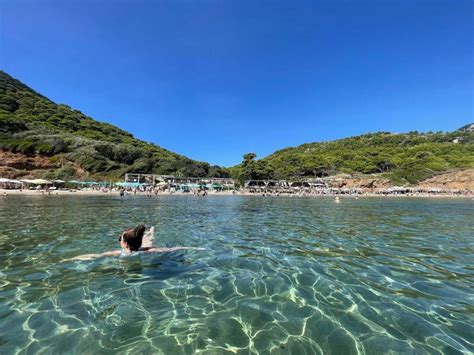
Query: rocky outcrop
column 20, row 161
column 463, row 179
column 467, row 128
column 360, row 181
column 18, row 165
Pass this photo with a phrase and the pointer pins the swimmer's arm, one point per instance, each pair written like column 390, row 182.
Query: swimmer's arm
column 94, row 256
column 167, row 250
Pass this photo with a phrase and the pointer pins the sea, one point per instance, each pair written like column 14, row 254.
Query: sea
column 278, row 275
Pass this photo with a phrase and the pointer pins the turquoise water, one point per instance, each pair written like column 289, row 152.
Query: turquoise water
column 280, row 275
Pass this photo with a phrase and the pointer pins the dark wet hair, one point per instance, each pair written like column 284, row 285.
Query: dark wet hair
column 133, row 237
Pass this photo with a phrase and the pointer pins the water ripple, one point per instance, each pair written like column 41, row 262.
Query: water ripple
column 279, row 275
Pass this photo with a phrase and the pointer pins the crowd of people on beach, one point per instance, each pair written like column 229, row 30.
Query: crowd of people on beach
column 365, row 192
column 150, row 190
column 124, row 192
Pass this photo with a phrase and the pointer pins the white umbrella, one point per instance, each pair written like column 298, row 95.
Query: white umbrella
column 40, row 181
column 9, row 181
column 15, row 181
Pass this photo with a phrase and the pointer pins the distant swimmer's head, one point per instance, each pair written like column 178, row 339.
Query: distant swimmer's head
column 132, row 238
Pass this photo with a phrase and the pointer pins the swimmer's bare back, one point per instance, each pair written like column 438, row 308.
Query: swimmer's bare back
column 168, row 250
column 94, row 256
column 142, row 250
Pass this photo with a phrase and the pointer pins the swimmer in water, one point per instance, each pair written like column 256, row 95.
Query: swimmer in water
column 133, row 241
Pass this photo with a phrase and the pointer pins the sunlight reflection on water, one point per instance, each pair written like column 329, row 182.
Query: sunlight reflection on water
column 282, row 275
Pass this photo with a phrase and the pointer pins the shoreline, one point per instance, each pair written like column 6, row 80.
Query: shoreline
column 39, row 193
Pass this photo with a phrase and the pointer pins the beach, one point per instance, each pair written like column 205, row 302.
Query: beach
column 92, row 192
column 238, row 177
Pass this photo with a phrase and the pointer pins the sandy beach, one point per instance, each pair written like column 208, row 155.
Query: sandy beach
column 13, row 192
column 7, row 192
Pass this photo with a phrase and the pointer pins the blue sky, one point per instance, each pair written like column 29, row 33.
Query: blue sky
column 214, row 80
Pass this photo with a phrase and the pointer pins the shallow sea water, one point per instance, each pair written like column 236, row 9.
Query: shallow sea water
column 279, row 275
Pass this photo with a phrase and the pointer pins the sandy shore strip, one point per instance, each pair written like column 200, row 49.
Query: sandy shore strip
column 14, row 192
column 25, row 192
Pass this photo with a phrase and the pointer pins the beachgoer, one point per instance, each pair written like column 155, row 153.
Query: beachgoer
column 132, row 242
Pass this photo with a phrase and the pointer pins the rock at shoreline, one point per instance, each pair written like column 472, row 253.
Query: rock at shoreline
column 463, row 179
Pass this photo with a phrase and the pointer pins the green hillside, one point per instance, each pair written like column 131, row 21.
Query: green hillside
column 32, row 124
column 402, row 158
column 76, row 144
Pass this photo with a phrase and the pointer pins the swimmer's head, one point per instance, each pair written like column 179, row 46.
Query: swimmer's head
column 132, row 238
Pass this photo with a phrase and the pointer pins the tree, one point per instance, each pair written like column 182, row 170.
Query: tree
column 254, row 170
column 248, row 158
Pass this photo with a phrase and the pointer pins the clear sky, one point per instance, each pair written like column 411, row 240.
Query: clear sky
column 216, row 79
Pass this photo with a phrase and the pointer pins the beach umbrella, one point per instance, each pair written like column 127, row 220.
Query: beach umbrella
column 40, row 182
column 15, row 181
column 129, row 184
column 9, row 181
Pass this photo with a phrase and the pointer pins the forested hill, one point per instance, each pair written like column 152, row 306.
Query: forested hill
column 402, row 158
column 76, row 144
column 64, row 143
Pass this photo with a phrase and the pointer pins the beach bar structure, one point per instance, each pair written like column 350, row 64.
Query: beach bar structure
column 183, row 183
column 284, row 186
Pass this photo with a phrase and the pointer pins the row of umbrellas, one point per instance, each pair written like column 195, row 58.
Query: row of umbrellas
column 47, row 182
column 162, row 183
column 89, row 183
column 202, row 185
column 77, row 182
column 138, row 184
column 28, row 181
column 129, row 184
